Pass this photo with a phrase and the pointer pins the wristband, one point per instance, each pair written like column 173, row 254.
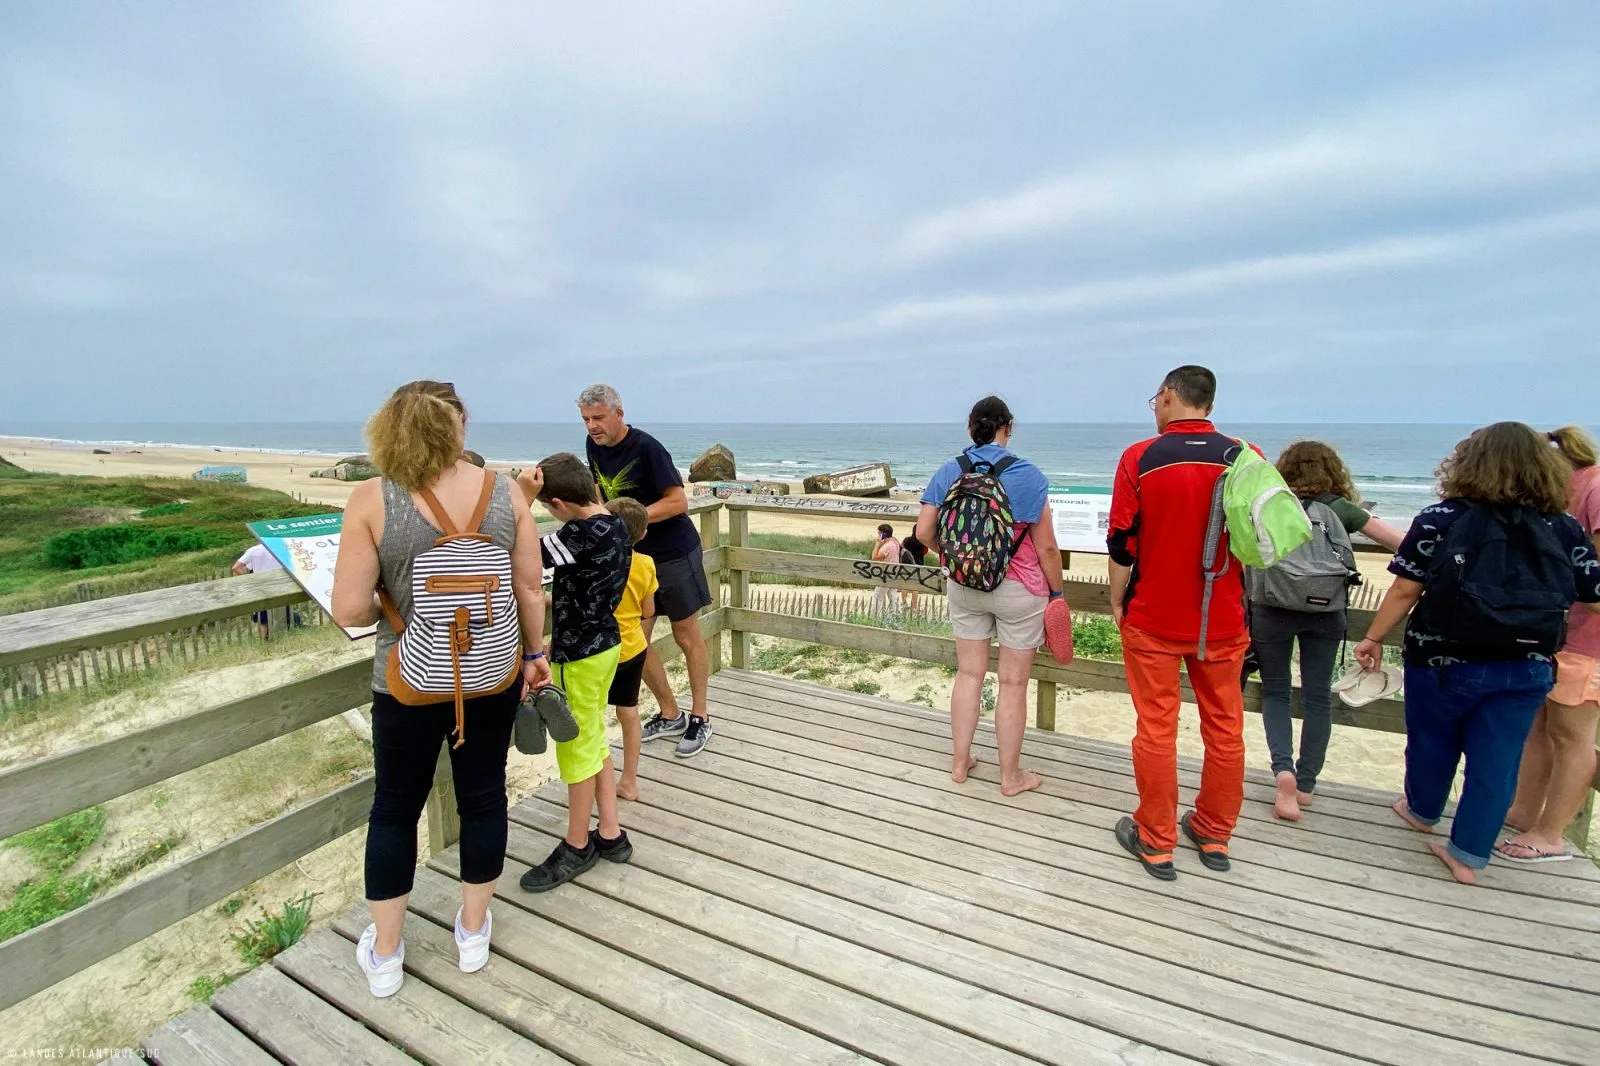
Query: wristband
column 535, row 657
column 1056, row 594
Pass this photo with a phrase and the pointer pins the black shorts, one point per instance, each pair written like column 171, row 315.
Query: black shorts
column 683, row 588
column 625, row 684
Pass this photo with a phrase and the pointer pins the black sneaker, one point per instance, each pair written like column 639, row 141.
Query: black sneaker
column 1213, row 853
column 1157, row 864
column 619, row 849
column 694, row 737
column 658, row 728
column 564, row 863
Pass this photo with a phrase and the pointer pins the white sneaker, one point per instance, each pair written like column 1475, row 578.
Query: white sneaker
column 474, row 947
column 383, row 978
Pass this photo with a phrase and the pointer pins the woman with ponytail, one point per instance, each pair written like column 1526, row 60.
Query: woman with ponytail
column 1558, row 761
column 1013, row 612
column 417, row 440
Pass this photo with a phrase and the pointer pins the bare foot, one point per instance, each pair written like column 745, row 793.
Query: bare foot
column 1458, row 870
column 1303, row 798
column 628, row 790
column 1285, row 805
column 1026, row 781
column 958, row 774
column 1403, row 809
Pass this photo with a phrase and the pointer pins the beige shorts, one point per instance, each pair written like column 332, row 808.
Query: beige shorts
column 1010, row 612
column 1577, row 679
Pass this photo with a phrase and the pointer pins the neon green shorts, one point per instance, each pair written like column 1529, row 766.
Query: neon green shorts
column 586, row 683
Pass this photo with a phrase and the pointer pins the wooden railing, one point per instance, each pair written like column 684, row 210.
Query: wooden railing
column 38, row 792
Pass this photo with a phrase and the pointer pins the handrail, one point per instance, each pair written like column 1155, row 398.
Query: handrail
column 877, row 510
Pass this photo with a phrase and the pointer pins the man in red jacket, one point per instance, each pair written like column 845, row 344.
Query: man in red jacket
column 1161, row 511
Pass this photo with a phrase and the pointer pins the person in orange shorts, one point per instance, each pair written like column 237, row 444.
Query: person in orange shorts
column 1558, row 760
column 1160, row 517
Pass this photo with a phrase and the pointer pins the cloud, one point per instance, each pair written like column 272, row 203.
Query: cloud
column 787, row 210
column 1384, row 255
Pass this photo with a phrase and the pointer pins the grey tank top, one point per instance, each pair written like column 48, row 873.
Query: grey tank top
column 406, row 535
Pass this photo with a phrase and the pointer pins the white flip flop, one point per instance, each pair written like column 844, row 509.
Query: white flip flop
column 1347, row 680
column 1373, row 685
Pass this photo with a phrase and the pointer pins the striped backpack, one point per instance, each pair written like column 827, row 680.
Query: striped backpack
column 974, row 529
column 462, row 639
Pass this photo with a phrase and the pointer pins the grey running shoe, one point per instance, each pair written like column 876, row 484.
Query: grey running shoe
column 551, row 704
column 527, row 728
column 658, row 727
column 694, row 737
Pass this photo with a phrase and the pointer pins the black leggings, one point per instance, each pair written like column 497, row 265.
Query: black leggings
column 405, row 749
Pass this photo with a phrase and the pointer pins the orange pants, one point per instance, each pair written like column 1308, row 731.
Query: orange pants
column 1152, row 665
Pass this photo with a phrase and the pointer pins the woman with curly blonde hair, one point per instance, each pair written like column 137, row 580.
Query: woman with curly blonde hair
column 1316, row 474
column 1558, row 761
column 1491, row 570
column 417, row 440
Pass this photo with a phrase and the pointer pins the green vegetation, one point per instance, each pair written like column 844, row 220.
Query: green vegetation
column 923, row 695
column 229, row 907
column 806, row 545
column 865, row 687
column 202, row 988
column 275, row 933
column 82, row 549
column 57, row 532
column 56, row 845
column 1095, row 636
column 55, row 848
column 989, row 694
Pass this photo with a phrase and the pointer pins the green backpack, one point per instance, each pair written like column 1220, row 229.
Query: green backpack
column 1265, row 519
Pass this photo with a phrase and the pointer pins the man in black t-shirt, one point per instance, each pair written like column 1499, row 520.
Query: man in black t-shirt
column 630, row 462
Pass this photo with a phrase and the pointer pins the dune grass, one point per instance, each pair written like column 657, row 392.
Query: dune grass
column 122, row 532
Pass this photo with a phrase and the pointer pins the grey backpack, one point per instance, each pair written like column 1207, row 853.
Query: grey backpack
column 1316, row 577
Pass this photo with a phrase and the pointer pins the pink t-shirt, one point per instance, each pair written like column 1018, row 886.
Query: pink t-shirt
column 1583, row 503
column 1025, row 566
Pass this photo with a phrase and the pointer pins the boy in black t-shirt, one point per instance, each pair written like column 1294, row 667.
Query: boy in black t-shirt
column 590, row 554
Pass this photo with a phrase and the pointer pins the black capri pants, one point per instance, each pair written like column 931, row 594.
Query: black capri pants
column 405, row 749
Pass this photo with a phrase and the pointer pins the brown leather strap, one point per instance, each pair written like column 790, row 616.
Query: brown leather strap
column 482, row 509
column 390, row 611
column 439, row 514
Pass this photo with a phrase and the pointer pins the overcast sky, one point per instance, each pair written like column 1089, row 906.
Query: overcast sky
column 756, row 211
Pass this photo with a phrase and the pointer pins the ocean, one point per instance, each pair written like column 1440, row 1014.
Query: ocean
column 1393, row 463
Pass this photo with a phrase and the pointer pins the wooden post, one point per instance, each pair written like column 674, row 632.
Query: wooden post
column 1044, row 715
column 710, row 535
column 739, row 586
column 444, row 820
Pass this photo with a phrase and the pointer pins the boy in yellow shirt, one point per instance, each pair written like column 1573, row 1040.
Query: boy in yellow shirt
column 638, row 606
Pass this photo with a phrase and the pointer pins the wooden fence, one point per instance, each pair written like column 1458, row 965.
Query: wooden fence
column 38, row 792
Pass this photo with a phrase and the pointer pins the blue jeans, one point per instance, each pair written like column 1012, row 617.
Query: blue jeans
column 1482, row 711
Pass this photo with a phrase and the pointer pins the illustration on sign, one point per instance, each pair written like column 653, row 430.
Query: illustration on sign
column 308, row 548
column 1082, row 518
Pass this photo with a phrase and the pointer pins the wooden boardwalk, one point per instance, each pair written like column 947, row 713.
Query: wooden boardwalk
column 814, row 889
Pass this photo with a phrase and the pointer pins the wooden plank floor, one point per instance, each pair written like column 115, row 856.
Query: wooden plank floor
column 814, row 889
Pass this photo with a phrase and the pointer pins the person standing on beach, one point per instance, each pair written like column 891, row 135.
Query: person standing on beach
column 1161, row 513
column 1558, row 760
column 1483, row 581
column 627, row 461
column 258, row 560
column 1283, row 612
column 1010, row 613
column 886, row 550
